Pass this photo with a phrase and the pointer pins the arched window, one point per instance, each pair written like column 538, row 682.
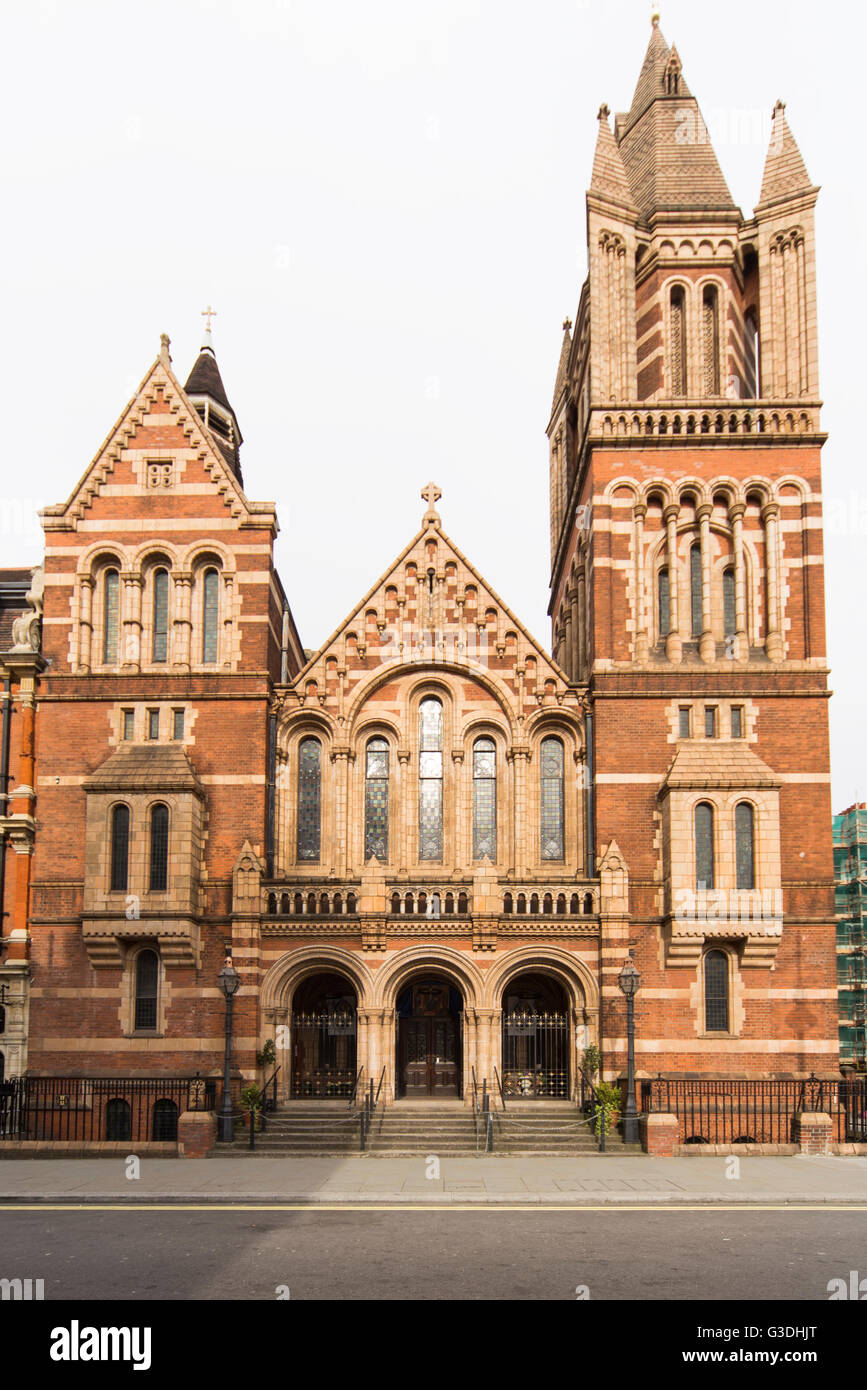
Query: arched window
column 485, row 799
column 118, row 1120
column 664, row 603
column 716, row 992
column 430, row 781
column 678, row 341
column 159, row 866
column 729, row 618
column 752, row 387
column 210, row 615
column 147, row 968
column 161, row 616
column 309, row 799
column 551, row 765
column 745, row 845
column 110, row 592
column 119, row 848
column 376, row 800
column 704, row 855
column 695, row 590
column 710, row 340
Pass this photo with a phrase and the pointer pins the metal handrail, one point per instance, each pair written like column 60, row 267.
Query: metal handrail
column 355, row 1085
column 598, row 1110
column 501, row 1090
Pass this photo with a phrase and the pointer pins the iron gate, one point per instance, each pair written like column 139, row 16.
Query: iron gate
column 323, row 1055
column 536, row 1055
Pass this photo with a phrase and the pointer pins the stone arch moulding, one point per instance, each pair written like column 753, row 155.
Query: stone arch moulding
column 571, row 971
column 287, row 973
column 443, row 960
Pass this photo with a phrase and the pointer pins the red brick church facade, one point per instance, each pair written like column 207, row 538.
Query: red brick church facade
column 431, row 830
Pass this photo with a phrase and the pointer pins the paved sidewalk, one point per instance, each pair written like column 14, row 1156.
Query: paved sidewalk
column 584, row 1181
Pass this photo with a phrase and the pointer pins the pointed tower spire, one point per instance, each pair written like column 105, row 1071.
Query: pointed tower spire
column 785, row 171
column 206, row 391
column 609, row 178
column 563, row 364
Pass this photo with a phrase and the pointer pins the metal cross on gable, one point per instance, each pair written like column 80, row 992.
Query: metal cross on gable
column 209, row 314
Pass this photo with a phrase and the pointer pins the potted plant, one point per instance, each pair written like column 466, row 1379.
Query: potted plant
column 267, row 1056
column 592, row 1061
column 251, row 1101
column 608, row 1097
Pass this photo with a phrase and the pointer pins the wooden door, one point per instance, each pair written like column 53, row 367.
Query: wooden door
column 428, row 1057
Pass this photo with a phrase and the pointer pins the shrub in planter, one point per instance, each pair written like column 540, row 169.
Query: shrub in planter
column 608, row 1096
column 251, row 1099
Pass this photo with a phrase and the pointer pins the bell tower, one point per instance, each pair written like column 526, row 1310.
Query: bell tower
column 687, row 595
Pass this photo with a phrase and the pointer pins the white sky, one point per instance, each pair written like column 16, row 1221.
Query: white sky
column 385, row 203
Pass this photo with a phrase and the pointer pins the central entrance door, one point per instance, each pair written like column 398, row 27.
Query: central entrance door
column 429, row 1040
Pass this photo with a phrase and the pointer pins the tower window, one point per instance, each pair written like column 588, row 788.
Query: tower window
column 752, row 387
column 119, row 848
column 745, row 845
column 664, row 590
column 376, row 800
column 146, row 980
column 485, row 799
column 710, row 340
column 110, row 616
column 159, row 867
column 128, row 725
column 704, row 855
column 710, row 721
column 551, row 799
column 309, row 799
column 430, row 781
column 684, row 718
column 177, row 724
column 737, row 721
column 729, row 616
column 153, row 724
column 695, row 590
column 716, row 992
column 210, row 615
column 677, row 304
column 161, row 616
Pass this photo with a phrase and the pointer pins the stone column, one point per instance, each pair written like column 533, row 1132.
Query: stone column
column 568, row 629
column 774, row 640
column 741, row 646
column 673, row 642
column 583, row 630
column 406, row 820
column 707, row 645
column 462, row 847
column 340, row 759
column 520, row 757
column 131, row 625
column 85, row 622
column 574, row 669
column 639, row 512
column 181, row 622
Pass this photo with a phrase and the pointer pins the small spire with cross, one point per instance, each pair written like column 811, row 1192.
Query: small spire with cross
column 431, row 494
column 208, row 314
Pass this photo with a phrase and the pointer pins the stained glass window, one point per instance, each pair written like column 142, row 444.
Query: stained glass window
column 309, row 798
column 484, row 799
column 716, row 992
column 119, row 848
column 109, row 616
column 744, row 845
column 161, row 615
column 695, row 588
column 664, row 603
column 704, row 859
column 729, row 602
column 146, row 977
column 430, row 781
column 159, row 848
column 210, row 616
column 551, row 799
column 376, row 800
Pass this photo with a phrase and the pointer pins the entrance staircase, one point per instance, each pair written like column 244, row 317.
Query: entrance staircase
column 417, row 1128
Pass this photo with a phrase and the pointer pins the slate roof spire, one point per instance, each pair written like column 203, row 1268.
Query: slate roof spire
column 205, row 388
column 609, row 178
column 785, row 171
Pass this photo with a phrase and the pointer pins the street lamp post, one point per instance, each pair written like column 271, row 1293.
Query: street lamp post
column 228, row 980
column 629, row 981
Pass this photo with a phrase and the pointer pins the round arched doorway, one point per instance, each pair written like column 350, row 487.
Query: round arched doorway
column 323, row 1035
column 536, row 1038
column 429, row 1015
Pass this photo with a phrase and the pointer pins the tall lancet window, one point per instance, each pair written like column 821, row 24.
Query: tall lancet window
column 551, row 799
column 430, row 781
column 695, row 590
column 119, row 848
column 752, row 389
column 210, row 616
column 110, row 588
column 729, row 612
column 704, row 849
column 161, row 616
column 309, row 799
column 716, row 992
column 710, row 340
column 664, row 590
column 745, row 846
column 376, row 801
column 485, row 799
column 678, row 341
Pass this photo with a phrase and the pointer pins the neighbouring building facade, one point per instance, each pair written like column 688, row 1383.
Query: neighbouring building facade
column 430, row 845
column 850, row 872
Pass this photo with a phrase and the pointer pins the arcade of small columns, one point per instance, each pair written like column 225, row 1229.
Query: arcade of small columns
column 694, row 514
column 483, row 993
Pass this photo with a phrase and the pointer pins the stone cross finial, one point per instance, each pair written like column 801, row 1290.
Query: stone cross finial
column 209, row 314
column 431, row 495
column 604, row 112
column 567, row 325
column 165, row 344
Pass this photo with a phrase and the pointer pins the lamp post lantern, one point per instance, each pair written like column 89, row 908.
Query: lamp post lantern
column 229, row 981
column 629, row 981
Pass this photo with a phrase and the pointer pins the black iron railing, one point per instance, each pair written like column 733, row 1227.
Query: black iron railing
column 367, row 1108
column 100, row 1109
column 761, row 1112
column 590, row 1104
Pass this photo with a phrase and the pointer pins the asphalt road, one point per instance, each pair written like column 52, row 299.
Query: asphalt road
column 494, row 1253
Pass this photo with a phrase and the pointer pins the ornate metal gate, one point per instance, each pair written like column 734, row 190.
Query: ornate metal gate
column 536, row 1055
column 323, row 1055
